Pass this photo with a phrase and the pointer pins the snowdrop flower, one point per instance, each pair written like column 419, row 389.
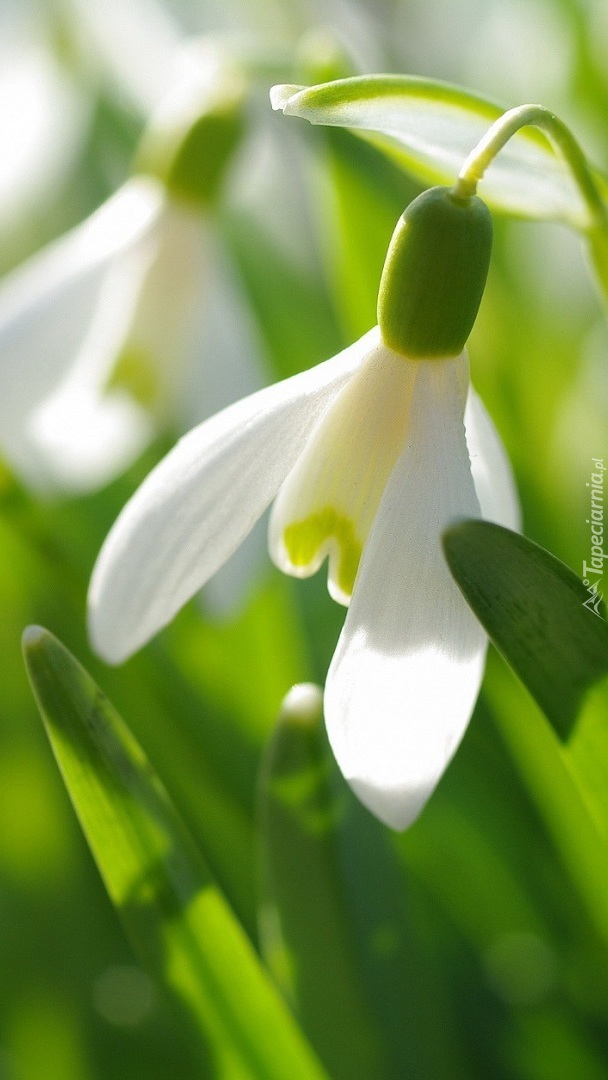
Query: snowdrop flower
column 98, row 331
column 368, row 457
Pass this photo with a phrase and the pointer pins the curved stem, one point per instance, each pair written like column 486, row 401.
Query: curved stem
column 508, row 125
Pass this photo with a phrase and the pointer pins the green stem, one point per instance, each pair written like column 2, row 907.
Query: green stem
column 508, row 125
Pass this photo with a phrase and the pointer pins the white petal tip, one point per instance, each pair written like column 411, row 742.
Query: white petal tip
column 104, row 638
column 106, row 650
column 397, row 807
column 281, row 94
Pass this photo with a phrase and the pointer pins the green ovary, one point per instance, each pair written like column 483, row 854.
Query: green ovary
column 304, row 539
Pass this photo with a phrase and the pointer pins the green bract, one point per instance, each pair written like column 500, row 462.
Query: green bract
column 434, row 274
column 430, row 127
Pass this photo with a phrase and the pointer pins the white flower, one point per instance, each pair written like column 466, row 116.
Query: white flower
column 52, row 326
column 367, row 460
column 102, row 333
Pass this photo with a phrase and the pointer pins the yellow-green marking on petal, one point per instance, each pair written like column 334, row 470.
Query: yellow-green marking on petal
column 305, row 540
column 328, row 502
column 136, row 372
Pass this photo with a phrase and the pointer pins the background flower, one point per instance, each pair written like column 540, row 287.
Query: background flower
column 103, row 335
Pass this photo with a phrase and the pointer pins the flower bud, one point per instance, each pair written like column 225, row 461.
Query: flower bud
column 434, row 274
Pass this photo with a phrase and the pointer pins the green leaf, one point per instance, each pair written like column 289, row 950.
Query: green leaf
column 536, row 612
column 303, row 922
column 334, row 926
column 532, row 606
column 174, row 914
column 568, row 782
column 430, row 128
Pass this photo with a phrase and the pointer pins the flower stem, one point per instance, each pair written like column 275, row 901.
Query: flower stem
column 508, row 125
column 496, row 138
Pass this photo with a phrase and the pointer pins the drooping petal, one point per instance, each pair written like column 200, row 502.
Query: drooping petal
column 409, row 662
column 196, row 507
column 490, row 466
column 131, row 366
column 184, row 357
column 157, row 343
column 80, row 440
column 47, row 304
column 328, row 502
column 56, row 429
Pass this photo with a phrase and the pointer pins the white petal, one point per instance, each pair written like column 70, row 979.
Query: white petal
column 408, row 666
column 78, row 441
column 329, row 500
column 66, row 315
column 191, row 328
column 47, row 304
column 197, row 506
column 492, row 474
column 158, row 338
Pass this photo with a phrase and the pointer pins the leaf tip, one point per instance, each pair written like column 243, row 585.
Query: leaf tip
column 302, row 705
column 281, row 95
column 33, row 638
column 458, row 528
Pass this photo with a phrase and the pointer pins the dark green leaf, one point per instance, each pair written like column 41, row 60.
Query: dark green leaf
column 537, row 613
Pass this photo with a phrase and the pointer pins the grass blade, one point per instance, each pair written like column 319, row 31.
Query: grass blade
column 173, row 913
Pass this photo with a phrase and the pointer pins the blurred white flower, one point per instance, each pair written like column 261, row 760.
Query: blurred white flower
column 101, row 332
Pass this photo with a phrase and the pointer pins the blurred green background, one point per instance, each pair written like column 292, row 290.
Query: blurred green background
column 505, row 883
